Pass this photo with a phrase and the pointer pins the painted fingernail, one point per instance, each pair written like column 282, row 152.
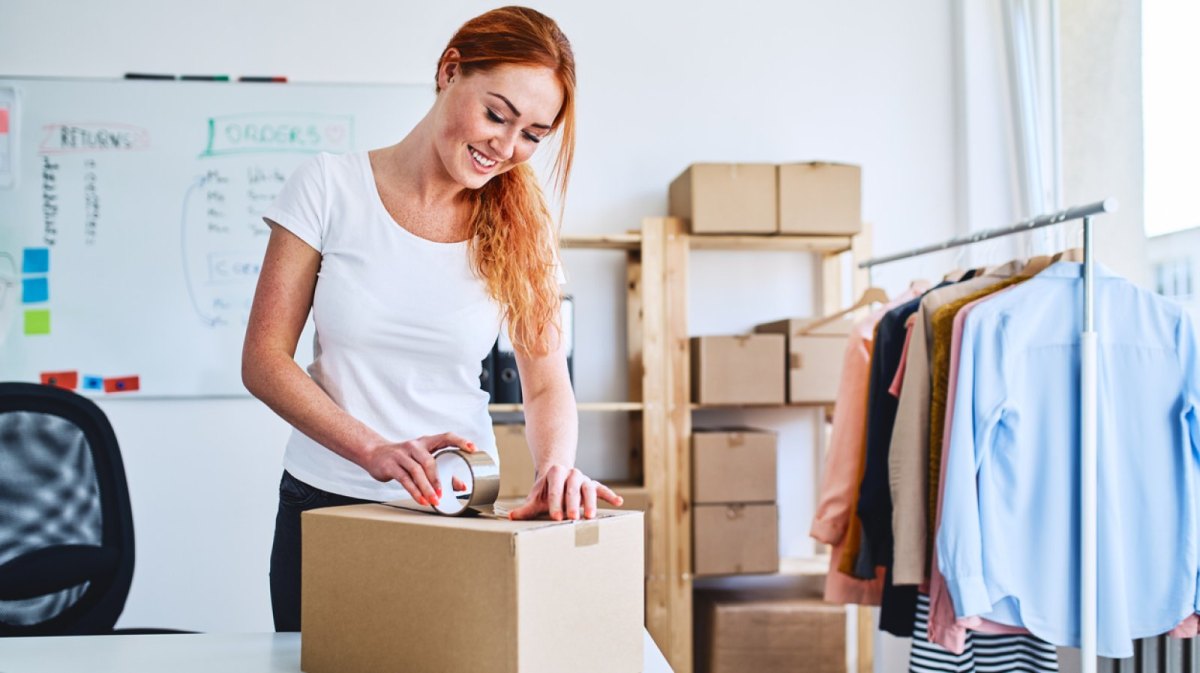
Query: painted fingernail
column 421, row 501
column 439, row 491
column 573, row 514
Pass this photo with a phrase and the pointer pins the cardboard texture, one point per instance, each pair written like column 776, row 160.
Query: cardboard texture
column 733, row 465
column 735, row 539
column 745, row 369
column 726, row 198
column 636, row 499
column 820, row 198
column 813, row 359
column 396, row 591
column 516, row 463
column 737, row 632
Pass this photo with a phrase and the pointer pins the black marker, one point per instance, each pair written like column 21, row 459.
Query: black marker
column 146, row 75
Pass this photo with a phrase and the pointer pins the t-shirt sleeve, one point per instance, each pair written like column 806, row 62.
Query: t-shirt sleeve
column 300, row 205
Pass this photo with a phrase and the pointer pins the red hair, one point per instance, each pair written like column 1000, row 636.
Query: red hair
column 514, row 243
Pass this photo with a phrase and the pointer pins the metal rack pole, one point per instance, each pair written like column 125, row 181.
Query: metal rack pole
column 1088, row 461
column 1073, row 213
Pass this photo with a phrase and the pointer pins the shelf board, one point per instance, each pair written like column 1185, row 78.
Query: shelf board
column 825, row 244
column 582, row 406
column 629, row 241
column 797, row 405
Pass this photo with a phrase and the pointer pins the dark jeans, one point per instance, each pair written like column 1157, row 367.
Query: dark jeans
column 295, row 497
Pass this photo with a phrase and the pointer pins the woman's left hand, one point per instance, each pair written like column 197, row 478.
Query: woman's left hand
column 564, row 490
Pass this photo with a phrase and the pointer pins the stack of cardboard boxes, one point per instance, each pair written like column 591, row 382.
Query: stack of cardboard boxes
column 735, row 521
column 793, row 361
column 783, row 362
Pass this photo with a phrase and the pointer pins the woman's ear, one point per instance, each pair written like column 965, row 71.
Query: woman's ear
column 450, row 68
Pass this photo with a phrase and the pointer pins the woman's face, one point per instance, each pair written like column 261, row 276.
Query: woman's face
column 491, row 121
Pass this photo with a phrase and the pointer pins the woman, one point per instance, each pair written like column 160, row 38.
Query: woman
column 410, row 256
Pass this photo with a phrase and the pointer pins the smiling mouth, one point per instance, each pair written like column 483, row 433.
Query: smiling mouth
column 481, row 162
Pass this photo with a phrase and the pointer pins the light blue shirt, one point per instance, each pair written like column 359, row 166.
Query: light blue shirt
column 1009, row 538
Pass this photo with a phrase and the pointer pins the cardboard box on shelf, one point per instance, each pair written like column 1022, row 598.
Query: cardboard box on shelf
column 820, row 198
column 733, row 465
column 735, row 539
column 392, row 590
column 516, row 463
column 748, row 631
column 726, row 198
column 745, row 369
column 814, row 357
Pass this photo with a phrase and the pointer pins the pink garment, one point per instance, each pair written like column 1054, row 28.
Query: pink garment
column 898, row 382
column 944, row 628
column 844, row 461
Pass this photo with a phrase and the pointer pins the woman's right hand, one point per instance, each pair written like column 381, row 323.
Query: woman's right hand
column 411, row 463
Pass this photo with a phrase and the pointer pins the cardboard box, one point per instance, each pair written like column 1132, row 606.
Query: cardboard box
column 735, row 539
column 636, row 500
column 814, row 358
column 516, row 463
column 734, row 465
column 744, row 369
column 736, row 633
column 387, row 590
column 820, row 198
column 726, row 198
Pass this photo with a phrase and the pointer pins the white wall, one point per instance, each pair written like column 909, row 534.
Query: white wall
column 662, row 84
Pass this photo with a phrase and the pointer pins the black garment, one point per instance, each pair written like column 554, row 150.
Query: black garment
column 295, row 497
column 899, row 603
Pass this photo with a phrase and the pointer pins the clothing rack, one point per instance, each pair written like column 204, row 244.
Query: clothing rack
column 1087, row 402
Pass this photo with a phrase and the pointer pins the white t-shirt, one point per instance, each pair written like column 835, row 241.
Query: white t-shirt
column 402, row 323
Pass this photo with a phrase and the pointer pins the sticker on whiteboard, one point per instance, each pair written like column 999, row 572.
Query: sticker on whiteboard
column 124, row 384
column 68, row 380
column 9, row 116
column 93, row 383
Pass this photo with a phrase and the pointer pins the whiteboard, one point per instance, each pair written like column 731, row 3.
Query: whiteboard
column 130, row 228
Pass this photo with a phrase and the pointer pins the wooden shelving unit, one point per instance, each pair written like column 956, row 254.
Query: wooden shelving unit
column 667, row 417
column 661, row 410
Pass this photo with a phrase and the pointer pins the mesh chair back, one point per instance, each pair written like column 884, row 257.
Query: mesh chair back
column 61, row 483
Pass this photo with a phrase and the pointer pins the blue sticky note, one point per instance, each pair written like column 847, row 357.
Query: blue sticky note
column 36, row 260
column 35, row 290
column 93, row 383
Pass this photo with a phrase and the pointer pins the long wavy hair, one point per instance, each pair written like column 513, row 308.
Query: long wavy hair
column 514, row 241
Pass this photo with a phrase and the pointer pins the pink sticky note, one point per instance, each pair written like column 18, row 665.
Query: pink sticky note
column 3, row 120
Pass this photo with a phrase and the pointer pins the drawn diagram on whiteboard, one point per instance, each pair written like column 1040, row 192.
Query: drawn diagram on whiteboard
column 250, row 157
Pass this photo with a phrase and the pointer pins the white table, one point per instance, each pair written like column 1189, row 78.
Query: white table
column 183, row 653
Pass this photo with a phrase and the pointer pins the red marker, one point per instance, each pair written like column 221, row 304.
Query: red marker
column 124, row 384
column 67, row 380
column 279, row 80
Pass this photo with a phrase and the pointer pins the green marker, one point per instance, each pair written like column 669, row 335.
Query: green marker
column 204, row 78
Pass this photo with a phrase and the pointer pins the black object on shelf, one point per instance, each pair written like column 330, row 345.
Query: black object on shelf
column 507, row 380
column 487, row 375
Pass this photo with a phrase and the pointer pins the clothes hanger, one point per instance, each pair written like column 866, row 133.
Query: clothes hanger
column 1069, row 255
column 872, row 295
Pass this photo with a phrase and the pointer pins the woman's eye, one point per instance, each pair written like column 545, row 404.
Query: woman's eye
column 533, row 137
column 494, row 117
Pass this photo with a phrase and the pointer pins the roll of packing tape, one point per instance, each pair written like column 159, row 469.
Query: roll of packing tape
column 477, row 471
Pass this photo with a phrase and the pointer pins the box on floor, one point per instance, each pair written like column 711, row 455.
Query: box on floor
column 766, row 632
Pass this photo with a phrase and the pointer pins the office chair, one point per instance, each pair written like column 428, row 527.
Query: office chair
column 66, row 528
